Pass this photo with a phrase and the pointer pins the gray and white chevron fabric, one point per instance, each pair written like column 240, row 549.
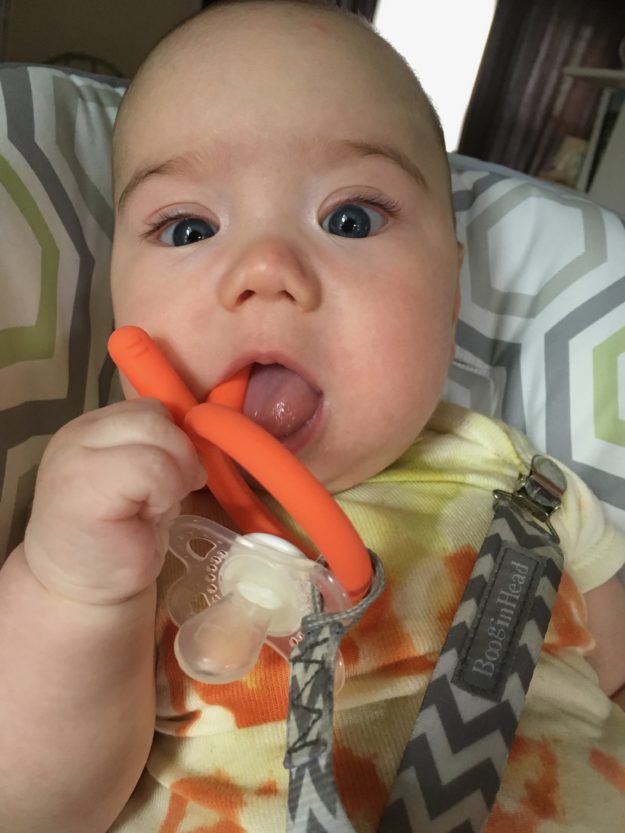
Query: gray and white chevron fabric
column 453, row 764
column 313, row 802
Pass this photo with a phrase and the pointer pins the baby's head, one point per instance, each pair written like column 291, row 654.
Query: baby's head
column 283, row 200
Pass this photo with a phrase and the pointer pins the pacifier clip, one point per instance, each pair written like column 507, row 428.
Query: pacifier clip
column 453, row 763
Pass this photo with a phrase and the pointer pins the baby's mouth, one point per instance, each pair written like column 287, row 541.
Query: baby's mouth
column 282, row 402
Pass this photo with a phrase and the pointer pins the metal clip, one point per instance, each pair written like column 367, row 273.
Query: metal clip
column 539, row 493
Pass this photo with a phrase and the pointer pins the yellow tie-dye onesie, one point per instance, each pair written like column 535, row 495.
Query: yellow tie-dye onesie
column 216, row 761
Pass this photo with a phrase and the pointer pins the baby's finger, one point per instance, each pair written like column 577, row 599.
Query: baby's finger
column 145, row 422
column 135, row 480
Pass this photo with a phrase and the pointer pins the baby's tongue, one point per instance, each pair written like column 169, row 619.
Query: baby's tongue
column 279, row 399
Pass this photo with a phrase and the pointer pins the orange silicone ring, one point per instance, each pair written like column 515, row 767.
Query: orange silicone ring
column 218, row 428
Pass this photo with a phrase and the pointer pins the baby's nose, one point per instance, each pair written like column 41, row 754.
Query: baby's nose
column 270, row 270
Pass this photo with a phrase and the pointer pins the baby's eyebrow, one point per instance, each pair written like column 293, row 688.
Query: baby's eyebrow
column 185, row 163
column 395, row 155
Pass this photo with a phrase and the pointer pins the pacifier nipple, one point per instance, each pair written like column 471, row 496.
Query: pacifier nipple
column 222, row 643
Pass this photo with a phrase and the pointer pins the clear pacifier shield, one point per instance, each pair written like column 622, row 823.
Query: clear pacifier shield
column 238, row 592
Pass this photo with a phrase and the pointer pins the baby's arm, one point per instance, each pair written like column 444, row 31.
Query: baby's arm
column 77, row 604
column 606, row 621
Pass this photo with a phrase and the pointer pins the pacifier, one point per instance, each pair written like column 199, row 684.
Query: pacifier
column 253, row 588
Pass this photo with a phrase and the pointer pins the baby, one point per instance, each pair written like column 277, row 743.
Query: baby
column 294, row 160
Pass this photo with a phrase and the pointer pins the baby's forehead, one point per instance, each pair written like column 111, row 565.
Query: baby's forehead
column 238, row 38
column 322, row 57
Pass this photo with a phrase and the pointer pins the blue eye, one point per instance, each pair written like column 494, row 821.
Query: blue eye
column 351, row 220
column 186, row 231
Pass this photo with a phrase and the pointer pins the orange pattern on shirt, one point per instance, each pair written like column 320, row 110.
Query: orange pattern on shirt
column 381, row 641
column 459, row 566
column 268, row 788
column 217, row 792
column 535, row 766
column 359, row 786
column 612, row 770
column 567, row 628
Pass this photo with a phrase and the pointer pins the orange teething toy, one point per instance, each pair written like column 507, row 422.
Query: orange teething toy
column 222, row 434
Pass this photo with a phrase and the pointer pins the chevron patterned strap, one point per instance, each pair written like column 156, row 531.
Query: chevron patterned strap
column 313, row 802
column 453, row 764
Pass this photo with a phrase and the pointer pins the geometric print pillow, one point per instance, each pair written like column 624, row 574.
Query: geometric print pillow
column 540, row 339
column 541, row 335
column 55, row 306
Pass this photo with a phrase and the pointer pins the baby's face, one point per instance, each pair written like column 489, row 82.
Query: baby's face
column 283, row 207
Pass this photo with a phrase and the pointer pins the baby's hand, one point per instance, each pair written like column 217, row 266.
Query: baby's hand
column 108, row 483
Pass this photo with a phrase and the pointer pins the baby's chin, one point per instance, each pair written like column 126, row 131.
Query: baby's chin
column 341, row 475
column 349, row 473
column 346, row 480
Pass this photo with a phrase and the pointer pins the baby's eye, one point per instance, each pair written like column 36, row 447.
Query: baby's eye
column 351, row 220
column 185, row 231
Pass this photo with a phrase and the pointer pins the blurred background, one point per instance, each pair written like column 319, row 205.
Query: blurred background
column 536, row 85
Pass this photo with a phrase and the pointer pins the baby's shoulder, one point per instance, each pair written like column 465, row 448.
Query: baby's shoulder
column 489, row 450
